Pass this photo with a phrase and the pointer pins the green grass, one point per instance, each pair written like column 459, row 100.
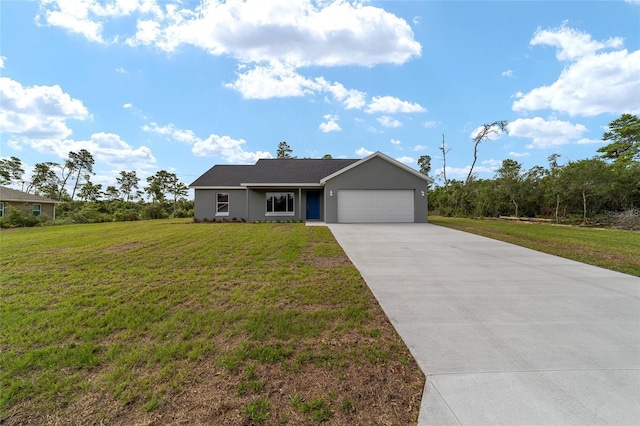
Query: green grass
column 136, row 308
column 258, row 410
column 607, row 248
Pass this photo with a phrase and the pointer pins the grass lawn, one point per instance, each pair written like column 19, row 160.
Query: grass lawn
column 172, row 322
column 607, row 248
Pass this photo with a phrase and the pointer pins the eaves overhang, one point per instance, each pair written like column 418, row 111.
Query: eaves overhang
column 29, row 200
column 216, row 187
column 281, row 185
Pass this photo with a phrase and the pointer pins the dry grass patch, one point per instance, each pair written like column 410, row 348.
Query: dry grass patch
column 168, row 322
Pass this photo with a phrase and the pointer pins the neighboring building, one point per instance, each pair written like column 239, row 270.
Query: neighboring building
column 34, row 204
column 373, row 189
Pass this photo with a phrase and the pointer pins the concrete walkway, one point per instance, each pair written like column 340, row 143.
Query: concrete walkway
column 504, row 334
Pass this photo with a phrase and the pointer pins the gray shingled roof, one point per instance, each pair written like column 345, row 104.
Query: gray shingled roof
column 285, row 171
column 9, row 194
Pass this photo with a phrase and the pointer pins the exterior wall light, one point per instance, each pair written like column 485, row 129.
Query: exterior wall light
column 330, row 193
column 422, row 193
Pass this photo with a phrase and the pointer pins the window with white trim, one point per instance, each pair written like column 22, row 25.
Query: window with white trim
column 1, row 208
column 222, row 204
column 280, row 204
column 37, row 209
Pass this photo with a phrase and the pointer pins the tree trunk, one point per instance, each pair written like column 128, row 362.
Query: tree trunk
column 73, row 193
column 584, row 205
column 515, row 203
column 475, row 158
column 557, row 206
column 444, row 163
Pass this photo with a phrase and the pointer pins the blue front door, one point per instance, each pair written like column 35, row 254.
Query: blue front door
column 313, row 205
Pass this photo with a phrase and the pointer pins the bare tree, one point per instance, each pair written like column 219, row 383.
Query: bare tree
column 444, row 151
column 486, row 130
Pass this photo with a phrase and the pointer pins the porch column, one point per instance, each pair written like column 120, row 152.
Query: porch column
column 246, row 204
column 300, row 203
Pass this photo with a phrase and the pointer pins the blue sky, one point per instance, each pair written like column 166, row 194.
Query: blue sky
column 148, row 85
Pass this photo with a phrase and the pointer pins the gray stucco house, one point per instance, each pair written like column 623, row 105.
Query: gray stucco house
column 373, row 189
column 34, row 204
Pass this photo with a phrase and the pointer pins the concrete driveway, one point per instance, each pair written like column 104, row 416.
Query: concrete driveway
column 504, row 334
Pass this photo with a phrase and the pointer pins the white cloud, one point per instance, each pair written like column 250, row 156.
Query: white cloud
column 518, row 154
column 331, row 124
column 87, row 18
column 392, row 105
column 406, row 160
column 417, row 19
column 546, row 133
column 570, row 43
column 127, row 106
column 274, row 80
column 301, row 32
column 491, row 164
column 228, row 148
column 180, row 135
column 223, row 146
column 507, row 73
column 456, row 172
column 350, row 98
column 493, row 135
column 419, row 147
column 389, row 122
column 278, row 80
column 107, row 148
column 429, row 124
column 363, row 152
column 593, row 83
column 38, row 112
column 487, row 167
column 395, row 142
column 121, row 70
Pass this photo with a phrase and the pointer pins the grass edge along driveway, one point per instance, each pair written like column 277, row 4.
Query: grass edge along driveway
column 607, row 248
column 169, row 321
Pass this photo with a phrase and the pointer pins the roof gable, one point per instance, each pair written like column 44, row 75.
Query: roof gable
column 382, row 156
column 9, row 194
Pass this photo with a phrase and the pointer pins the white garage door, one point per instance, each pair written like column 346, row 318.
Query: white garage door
column 365, row 206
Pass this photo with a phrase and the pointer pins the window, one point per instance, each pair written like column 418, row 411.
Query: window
column 222, row 204
column 1, row 208
column 280, row 204
column 36, row 210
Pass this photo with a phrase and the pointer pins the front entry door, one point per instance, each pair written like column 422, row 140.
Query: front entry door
column 313, row 205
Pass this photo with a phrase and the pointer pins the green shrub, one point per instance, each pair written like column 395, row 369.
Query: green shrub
column 15, row 218
column 89, row 213
column 183, row 213
column 153, row 211
column 125, row 215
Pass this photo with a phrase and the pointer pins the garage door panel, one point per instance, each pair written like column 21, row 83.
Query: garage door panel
column 368, row 206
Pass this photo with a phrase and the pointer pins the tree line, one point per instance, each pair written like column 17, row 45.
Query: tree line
column 589, row 191
column 84, row 201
